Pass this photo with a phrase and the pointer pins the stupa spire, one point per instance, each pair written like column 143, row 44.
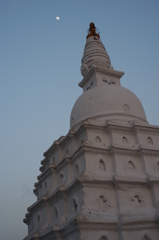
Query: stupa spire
column 95, row 53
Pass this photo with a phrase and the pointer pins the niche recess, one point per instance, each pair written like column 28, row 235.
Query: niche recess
column 137, row 201
column 124, row 140
column 98, row 140
column 102, row 165
column 149, row 141
column 103, row 203
column 130, row 166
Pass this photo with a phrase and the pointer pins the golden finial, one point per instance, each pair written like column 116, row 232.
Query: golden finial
column 92, row 30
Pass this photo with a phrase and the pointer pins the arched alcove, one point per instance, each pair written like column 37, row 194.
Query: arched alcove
column 98, row 140
column 149, row 141
column 124, row 140
column 130, row 166
column 138, row 202
column 102, row 165
column 103, row 203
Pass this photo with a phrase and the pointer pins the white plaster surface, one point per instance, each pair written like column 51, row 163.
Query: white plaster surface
column 94, row 53
column 107, row 102
column 101, row 180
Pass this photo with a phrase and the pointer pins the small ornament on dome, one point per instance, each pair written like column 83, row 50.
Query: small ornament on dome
column 93, row 31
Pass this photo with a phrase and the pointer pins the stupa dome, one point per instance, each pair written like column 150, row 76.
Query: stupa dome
column 107, row 102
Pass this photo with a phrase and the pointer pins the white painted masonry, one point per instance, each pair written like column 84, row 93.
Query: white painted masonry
column 100, row 181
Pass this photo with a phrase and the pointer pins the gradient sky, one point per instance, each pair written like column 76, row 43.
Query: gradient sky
column 39, row 75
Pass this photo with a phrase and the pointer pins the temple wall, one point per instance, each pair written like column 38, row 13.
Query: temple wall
column 100, row 177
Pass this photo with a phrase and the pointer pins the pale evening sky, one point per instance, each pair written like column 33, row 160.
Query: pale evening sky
column 39, row 75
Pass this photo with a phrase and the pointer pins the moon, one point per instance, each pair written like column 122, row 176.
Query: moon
column 57, row 18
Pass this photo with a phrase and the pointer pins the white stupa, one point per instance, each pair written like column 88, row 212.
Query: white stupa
column 100, row 181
